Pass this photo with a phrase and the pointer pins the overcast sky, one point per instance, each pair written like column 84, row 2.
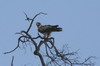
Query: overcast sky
column 80, row 20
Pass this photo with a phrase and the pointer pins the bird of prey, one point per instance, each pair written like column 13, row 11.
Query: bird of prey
column 46, row 30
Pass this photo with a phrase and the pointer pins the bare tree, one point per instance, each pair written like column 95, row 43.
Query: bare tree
column 51, row 56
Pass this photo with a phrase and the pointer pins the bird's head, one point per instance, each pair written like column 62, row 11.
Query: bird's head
column 38, row 24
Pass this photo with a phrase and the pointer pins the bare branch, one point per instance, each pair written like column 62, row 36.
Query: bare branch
column 27, row 18
column 16, row 46
column 13, row 49
column 34, row 19
column 56, row 57
column 12, row 61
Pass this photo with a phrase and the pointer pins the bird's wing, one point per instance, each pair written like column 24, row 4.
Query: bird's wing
column 45, row 28
column 49, row 28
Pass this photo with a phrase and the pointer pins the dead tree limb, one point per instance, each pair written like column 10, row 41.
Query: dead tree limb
column 12, row 61
column 34, row 19
column 55, row 56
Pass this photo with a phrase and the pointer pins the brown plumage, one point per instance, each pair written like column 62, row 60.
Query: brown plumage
column 46, row 30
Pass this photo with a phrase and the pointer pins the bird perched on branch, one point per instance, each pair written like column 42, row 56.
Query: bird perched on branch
column 46, row 30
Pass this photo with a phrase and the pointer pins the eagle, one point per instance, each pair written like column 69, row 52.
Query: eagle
column 46, row 30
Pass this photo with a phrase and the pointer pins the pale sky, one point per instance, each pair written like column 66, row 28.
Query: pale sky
column 80, row 20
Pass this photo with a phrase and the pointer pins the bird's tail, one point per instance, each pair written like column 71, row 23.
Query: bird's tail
column 58, row 29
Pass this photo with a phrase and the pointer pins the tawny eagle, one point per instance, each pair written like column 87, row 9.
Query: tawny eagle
column 46, row 30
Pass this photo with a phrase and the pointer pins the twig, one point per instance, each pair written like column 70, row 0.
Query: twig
column 12, row 61
column 16, row 46
column 34, row 19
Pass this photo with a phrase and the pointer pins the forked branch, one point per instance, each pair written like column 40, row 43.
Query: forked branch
column 33, row 19
column 55, row 56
